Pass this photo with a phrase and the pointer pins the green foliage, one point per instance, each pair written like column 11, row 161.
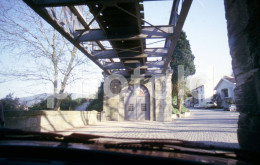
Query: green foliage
column 69, row 104
column 11, row 103
column 97, row 104
column 174, row 100
column 184, row 109
column 42, row 105
column 182, row 55
column 66, row 104
column 175, row 109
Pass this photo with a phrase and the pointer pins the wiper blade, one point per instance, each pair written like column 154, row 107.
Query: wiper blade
column 14, row 134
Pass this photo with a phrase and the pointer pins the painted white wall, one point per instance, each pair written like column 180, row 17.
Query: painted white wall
column 225, row 84
column 205, row 93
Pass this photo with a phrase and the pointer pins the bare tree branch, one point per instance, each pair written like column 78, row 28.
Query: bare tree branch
column 52, row 58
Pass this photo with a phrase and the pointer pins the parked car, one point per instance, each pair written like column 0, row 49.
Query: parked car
column 232, row 107
column 196, row 106
column 210, row 105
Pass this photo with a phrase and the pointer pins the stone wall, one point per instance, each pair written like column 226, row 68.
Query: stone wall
column 244, row 41
column 163, row 99
column 48, row 120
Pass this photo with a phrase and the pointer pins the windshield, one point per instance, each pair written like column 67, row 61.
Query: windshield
column 132, row 69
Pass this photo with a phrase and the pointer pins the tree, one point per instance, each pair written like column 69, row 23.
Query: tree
column 52, row 58
column 11, row 103
column 182, row 55
column 97, row 104
column 67, row 104
column 42, row 105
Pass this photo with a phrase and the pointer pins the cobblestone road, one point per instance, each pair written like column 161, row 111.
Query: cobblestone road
column 212, row 127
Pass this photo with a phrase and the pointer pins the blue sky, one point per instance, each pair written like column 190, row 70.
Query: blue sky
column 206, row 31
column 205, row 27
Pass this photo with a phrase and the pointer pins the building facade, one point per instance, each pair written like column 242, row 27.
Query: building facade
column 138, row 98
column 225, row 91
column 202, row 94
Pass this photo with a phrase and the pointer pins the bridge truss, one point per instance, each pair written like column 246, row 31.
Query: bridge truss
column 114, row 35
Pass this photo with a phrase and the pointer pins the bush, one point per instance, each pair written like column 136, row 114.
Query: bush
column 184, row 109
column 175, row 109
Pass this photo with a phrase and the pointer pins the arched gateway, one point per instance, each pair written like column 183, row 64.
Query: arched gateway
column 137, row 103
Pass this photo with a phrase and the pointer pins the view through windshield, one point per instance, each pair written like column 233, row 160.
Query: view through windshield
column 132, row 69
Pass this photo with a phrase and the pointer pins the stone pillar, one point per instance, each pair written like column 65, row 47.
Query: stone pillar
column 110, row 104
column 163, row 102
column 244, row 41
column 148, row 83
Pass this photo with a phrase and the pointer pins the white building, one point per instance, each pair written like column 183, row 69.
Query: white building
column 203, row 94
column 225, row 91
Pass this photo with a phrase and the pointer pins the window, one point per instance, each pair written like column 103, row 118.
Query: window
column 225, row 92
column 130, row 107
column 115, row 86
column 143, row 107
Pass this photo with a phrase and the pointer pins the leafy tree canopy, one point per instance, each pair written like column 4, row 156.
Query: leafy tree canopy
column 182, row 55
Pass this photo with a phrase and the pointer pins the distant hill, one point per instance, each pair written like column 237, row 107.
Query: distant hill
column 31, row 100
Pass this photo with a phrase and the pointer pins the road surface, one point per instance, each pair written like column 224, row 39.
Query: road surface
column 211, row 127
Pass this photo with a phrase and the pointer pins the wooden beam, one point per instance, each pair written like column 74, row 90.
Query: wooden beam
column 146, row 32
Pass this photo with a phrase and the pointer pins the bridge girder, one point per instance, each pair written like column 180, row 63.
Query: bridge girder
column 121, row 23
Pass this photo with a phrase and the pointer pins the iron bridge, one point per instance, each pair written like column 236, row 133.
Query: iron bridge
column 114, row 36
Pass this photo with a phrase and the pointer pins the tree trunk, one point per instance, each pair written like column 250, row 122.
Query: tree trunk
column 66, row 76
column 179, row 103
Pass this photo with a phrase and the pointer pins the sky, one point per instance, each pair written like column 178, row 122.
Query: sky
column 206, row 31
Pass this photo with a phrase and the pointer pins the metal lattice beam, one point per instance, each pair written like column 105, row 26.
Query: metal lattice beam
column 146, row 33
column 177, row 32
column 148, row 52
column 121, row 24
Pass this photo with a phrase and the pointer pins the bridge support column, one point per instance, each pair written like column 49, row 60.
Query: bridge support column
column 243, row 32
column 163, row 98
